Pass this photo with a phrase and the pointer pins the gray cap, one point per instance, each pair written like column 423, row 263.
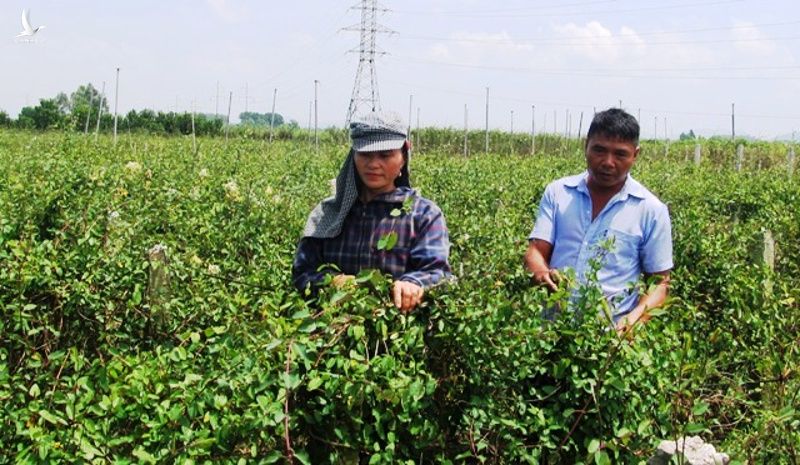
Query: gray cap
column 377, row 131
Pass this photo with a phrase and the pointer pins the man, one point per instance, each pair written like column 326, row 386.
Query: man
column 605, row 205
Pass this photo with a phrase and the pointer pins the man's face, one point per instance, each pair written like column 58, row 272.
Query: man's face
column 609, row 160
column 378, row 170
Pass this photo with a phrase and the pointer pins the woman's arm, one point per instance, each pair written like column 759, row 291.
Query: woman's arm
column 307, row 261
column 429, row 254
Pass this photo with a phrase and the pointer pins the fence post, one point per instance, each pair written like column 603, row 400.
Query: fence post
column 739, row 157
column 158, row 283
column 697, row 154
column 790, row 162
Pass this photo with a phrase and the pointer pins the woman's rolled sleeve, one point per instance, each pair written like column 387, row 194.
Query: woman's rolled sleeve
column 428, row 260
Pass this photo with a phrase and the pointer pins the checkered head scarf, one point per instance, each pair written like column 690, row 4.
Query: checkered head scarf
column 373, row 132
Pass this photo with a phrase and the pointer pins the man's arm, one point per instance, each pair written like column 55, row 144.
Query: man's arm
column 537, row 261
column 654, row 298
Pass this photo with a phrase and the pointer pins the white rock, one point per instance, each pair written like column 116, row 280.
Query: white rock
column 694, row 450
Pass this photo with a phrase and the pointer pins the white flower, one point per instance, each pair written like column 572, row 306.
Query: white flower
column 157, row 249
column 203, row 173
column 232, row 191
column 112, row 216
column 213, row 269
column 133, row 167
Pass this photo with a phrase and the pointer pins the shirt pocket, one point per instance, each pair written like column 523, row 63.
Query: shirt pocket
column 624, row 254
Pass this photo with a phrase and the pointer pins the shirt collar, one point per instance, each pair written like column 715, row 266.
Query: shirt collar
column 399, row 195
column 631, row 187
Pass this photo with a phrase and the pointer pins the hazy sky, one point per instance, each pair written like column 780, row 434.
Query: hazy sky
column 679, row 60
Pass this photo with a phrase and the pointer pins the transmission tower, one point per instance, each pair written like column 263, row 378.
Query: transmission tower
column 365, row 88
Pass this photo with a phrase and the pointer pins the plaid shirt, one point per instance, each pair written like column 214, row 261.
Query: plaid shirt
column 419, row 256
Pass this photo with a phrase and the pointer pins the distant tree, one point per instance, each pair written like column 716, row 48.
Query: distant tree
column 63, row 102
column 688, row 136
column 86, row 96
column 260, row 119
column 5, row 120
column 46, row 115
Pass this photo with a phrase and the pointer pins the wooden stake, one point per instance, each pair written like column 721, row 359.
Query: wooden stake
column 533, row 129
column 466, row 132
column 194, row 133
column 739, row 157
column 272, row 115
column 486, row 148
column 228, row 118
column 158, row 283
column 116, row 101
column 100, row 110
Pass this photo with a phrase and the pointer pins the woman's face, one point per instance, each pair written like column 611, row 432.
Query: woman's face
column 378, row 170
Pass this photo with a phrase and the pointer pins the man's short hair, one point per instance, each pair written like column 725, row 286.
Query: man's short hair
column 615, row 123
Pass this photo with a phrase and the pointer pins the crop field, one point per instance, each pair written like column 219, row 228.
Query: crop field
column 147, row 313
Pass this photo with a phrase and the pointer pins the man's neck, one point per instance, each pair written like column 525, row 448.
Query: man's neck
column 603, row 191
column 601, row 195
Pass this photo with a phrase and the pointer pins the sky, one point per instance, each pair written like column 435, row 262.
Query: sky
column 675, row 64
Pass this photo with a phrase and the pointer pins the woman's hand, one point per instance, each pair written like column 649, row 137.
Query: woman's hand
column 407, row 295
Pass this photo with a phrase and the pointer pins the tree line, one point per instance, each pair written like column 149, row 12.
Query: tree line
column 86, row 110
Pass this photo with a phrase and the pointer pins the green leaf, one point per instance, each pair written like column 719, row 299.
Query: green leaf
column 694, row 428
column 300, row 350
column 594, row 445
column 657, row 311
column 623, row 433
column 307, row 326
column 314, row 383
column 302, row 457
column 642, row 428
column 301, row 314
column 273, row 457
column 601, row 458
column 617, row 383
column 89, row 451
column 387, row 241
column 51, row 418
column 700, row 408
column 34, row 391
column 338, row 297
column 144, row 456
column 786, row 413
column 395, row 213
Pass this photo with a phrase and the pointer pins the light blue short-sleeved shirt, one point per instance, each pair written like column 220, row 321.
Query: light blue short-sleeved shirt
column 636, row 220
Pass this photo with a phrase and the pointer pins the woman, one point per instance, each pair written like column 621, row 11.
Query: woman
column 376, row 220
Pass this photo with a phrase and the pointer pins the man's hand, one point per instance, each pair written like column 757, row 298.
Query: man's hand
column 624, row 325
column 341, row 281
column 407, row 295
column 548, row 277
column 537, row 261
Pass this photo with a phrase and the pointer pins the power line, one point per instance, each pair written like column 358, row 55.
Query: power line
column 528, row 101
column 569, row 40
column 501, row 10
column 592, row 74
column 578, row 13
